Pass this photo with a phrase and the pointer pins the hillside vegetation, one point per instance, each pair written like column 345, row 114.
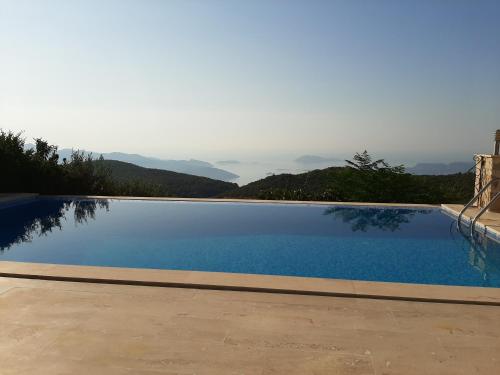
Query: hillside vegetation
column 40, row 170
column 362, row 180
column 169, row 183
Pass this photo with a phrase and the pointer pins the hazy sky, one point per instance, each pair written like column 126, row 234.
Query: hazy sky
column 252, row 79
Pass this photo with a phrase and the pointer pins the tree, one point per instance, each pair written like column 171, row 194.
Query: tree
column 364, row 162
column 374, row 181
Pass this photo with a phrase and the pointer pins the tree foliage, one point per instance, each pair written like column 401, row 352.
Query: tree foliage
column 39, row 170
column 364, row 162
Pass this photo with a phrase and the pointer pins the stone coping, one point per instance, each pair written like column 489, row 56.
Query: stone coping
column 253, row 283
column 489, row 223
column 238, row 200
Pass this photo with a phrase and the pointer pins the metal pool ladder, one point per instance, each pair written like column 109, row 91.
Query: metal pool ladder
column 483, row 210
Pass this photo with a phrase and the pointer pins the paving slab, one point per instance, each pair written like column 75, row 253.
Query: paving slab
column 252, row 283
column 58, row 327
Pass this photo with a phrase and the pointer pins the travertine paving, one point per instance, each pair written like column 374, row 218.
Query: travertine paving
column 54, row 327
column 251, row 283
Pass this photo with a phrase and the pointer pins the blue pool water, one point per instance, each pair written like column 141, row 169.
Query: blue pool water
column 346, row 242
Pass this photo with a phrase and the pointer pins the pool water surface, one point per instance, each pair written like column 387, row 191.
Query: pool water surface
column 395, row 244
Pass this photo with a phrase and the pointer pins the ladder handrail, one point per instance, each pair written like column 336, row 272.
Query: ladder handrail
column 480, row 213
column 475, row 198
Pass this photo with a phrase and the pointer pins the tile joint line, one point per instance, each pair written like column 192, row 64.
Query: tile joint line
column 242, row 289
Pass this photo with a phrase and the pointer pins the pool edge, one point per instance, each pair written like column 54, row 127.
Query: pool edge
column 13, row 197
column 253, row 283
column 488, row 227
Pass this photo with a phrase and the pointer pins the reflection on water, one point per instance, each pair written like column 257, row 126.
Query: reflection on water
column 84, row 210
column 362, row 219
column 29, row 223
column 483, row 253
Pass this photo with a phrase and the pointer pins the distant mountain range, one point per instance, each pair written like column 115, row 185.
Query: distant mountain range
column 440, row 168
column 192, row 166
column 206, row 169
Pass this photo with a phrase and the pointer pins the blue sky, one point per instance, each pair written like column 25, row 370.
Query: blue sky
column 410, row 80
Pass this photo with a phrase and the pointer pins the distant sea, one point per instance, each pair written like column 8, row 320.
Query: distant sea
column 256, row 170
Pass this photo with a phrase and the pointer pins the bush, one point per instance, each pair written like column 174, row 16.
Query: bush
column 39, row 170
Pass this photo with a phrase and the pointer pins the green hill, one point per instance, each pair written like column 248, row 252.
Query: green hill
column 167, row 183
column 38, row 169
column 350, row 185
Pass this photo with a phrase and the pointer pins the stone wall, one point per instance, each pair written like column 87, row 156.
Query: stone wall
column 486, row 170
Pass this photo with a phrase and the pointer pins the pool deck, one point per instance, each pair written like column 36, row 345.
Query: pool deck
column 57, row 327
column 253, row 283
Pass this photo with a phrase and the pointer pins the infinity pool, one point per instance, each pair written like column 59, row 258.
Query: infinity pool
column 342, row 242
